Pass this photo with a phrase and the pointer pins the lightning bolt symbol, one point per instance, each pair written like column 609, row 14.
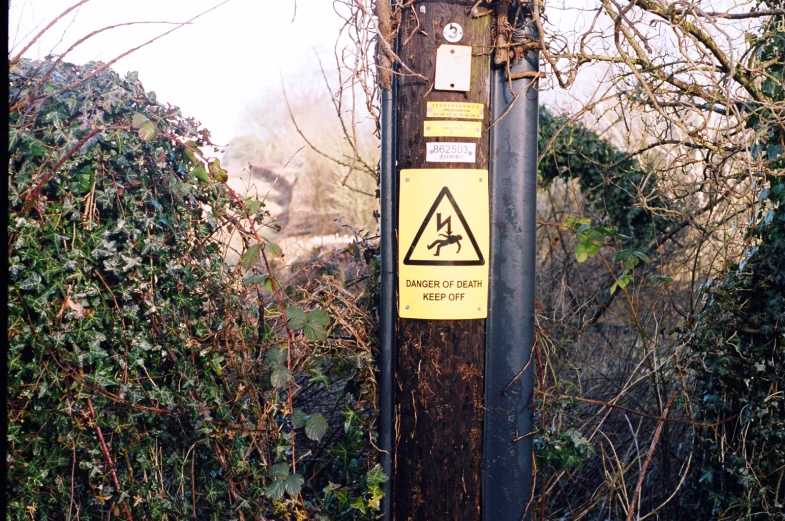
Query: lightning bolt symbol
column 441, row 224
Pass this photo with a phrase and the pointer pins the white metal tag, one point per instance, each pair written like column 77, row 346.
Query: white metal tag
column 451, row 152
column 453, row 67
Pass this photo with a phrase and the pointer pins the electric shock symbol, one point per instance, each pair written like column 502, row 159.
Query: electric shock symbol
column 450, row 257
column 449, row 238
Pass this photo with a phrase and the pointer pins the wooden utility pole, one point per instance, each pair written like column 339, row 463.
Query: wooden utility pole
column 440, row 364
column 457, row 262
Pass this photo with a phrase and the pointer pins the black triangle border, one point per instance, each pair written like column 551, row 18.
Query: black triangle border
column 409, row 262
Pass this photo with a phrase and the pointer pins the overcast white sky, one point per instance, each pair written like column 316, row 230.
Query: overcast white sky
column 227, row 59
column 211, row 69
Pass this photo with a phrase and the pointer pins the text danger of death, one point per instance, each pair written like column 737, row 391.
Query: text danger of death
column 444, row 284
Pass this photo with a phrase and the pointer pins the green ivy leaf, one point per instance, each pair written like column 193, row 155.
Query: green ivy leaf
column 274, row 249
column 189, row 154
column 319, row 376
column 219, row 173
column 279, row 470
column 31, row 283
column 147, row 131
column 293, row 483
column 773, row 151
column 84, row 181
column 201, row 174
column 254, row 279
column 138, row 120
column 280, row 376
column 581, row 252
column 314, row 332
column 315, row 427
column 275, row 490
column 319, row 316
column 298, row 419
column 296, row 318
column 359, row 504
column 707, row 475
column 375, row 499
column 622, row 255
column 37, row 149
column 661, row 278
column 251, row 256
column 13, row 137
column 275, row 356
column 215, row 364
column 376, row 476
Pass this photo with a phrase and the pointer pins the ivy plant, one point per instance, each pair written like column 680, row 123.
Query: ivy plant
column 147, row 378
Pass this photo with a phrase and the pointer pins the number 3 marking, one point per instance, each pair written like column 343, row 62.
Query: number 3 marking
column 453, row 32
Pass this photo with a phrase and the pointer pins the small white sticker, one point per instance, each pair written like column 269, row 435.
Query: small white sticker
column 453, row 32
column 451, row 152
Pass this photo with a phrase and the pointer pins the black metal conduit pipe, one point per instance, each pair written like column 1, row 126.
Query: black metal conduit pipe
column 507, row 461
column 387, row 304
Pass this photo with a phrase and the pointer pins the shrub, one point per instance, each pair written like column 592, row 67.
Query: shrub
column 738, row 342
column 147, row 378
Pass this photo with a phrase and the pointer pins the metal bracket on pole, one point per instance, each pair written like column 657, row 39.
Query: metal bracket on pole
column 507, row 467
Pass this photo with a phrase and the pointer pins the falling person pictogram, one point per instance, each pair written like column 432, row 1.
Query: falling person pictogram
column 449, row 238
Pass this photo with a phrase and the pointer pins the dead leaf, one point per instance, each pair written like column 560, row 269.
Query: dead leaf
column 78, row 309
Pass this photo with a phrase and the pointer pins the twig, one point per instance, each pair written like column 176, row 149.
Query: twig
column 148, row 42
column 43, row 31
column 109, row 461
column 34, row 194
column 649, row 416
column 35, row 436
column 73, row 471
column 193, row 483
column 353, row 139
column 289, row 340
column 388, row 48
column 335, row 97
column 642, row 474
column 87, row 37
column 302, row 134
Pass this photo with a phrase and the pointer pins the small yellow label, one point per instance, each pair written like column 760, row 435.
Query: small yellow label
column 452, row 129
column 444, row 244
column 449, row 109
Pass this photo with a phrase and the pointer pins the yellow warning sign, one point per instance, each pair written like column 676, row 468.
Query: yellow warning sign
column 452, row 128
column 444, row 240
column 449, row 109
